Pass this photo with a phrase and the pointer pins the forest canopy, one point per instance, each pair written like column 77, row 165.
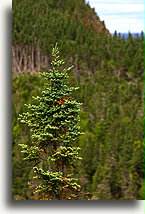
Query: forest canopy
column 109, row 72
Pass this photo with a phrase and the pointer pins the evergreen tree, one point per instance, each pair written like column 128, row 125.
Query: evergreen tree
column 53, row 123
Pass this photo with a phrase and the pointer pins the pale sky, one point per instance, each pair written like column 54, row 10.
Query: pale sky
column 120, row 15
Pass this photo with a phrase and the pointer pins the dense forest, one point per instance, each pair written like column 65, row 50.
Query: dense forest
column 109, row 73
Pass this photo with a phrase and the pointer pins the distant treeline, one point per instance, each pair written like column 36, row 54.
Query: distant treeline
column 125, row 35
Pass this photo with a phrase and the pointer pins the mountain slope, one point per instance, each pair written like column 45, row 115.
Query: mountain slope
column 38, row 25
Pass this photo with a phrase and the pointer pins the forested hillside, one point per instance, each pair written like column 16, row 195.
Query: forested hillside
column 109, row 72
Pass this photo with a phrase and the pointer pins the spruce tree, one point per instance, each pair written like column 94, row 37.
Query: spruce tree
column 53, row 123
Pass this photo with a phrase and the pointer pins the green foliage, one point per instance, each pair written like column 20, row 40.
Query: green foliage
column 112, row 121
column 43, row 23
column 109, row 73
column 21, row 85
column 66, row 154
column 108, row 145
column 53, row 128
column 55, row 186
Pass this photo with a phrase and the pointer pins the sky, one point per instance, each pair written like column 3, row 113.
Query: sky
column 120, row 15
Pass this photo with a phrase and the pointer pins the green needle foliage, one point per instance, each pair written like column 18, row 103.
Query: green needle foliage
column 53, row 123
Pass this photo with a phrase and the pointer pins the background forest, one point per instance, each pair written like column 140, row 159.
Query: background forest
column 109, row 72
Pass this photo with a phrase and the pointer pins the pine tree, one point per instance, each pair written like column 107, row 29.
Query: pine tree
column 53, row 123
